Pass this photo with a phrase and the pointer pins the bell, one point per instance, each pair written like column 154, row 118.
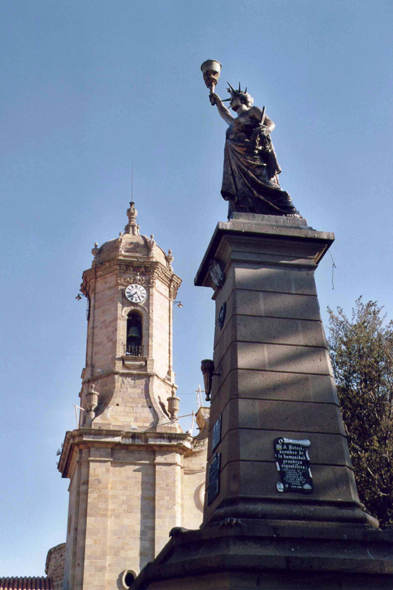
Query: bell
column 134, row 333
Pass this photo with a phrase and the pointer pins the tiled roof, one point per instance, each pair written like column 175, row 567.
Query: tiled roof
column 26, row 583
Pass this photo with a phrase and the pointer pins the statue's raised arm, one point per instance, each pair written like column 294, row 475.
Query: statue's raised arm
column 222, row 109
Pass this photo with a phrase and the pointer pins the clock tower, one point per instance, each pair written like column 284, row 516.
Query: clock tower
column 134, row 475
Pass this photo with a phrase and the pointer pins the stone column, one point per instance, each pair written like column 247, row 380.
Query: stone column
column 76, row 535
column 167, row 496
column 97, row 522
column 273, row 375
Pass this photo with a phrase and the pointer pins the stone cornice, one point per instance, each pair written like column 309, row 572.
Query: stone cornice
column 271, row 230
column 120, row 372
column 127, row 270
column 92, row 437
column 174, row 286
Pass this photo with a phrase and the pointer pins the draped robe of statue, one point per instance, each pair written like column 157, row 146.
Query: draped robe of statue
column 250, row 182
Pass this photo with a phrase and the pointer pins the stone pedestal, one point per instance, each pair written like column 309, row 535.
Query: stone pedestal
column 273, row 374
column 273, row 385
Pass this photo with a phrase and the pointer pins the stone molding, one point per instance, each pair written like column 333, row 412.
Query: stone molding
column 143, row 373
column 89, row 437
column 146, row 271
column 244, row 551
column 298, row 235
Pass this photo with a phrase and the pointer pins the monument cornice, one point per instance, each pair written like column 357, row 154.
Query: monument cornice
column 269, row 228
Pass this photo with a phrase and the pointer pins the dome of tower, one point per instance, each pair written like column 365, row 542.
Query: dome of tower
column 131, row 244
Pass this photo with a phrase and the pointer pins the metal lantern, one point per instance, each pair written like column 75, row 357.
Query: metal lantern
column 207, row 368
column 211, row 70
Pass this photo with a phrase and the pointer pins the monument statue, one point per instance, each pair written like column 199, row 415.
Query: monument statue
column 250, row 179
column 281, row 506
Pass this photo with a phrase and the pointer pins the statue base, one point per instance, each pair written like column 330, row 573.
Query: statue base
column 272, row 555
column 270, row 521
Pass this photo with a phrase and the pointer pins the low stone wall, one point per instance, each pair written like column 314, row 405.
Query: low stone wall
column 54, row 567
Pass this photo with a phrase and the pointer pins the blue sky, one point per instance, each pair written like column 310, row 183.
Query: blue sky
column 91, row 87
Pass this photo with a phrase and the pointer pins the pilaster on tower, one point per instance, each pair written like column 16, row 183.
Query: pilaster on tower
column 130, row 287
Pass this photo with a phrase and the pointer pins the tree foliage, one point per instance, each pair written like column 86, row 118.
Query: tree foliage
column 361, row 350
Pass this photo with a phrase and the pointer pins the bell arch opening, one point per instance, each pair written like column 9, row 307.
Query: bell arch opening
column 134, row 345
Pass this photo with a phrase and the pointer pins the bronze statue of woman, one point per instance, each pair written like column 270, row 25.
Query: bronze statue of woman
column 250, row 179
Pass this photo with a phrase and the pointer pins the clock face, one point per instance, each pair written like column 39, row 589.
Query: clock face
column 136, row 293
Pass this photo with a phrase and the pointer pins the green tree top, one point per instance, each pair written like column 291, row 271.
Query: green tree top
column 361, row 350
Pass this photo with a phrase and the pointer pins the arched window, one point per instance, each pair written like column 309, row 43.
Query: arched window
column 134, row 334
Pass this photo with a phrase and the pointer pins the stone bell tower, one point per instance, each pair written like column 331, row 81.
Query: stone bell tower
column 130, row 288
column 133, row 474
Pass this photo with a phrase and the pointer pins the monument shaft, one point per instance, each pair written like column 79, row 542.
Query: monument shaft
column 273, row 376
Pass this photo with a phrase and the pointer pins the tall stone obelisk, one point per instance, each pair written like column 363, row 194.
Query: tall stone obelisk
column 273, row 381
column 281, row 510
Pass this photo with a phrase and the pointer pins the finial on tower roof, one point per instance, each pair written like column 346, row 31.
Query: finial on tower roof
column 132, row 227
column 169, row 259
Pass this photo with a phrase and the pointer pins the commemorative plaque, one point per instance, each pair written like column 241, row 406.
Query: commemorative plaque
column 214, row 479
column 216, row 272
column 216, row 437
column 293, row 463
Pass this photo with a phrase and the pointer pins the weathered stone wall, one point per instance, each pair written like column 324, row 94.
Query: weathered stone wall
column 54, row 567
column 160, row 334
column 103, row 324
column 168, row 465
column 130, row 512
column 124, row 401
column 193, row 488
column 123, row 503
